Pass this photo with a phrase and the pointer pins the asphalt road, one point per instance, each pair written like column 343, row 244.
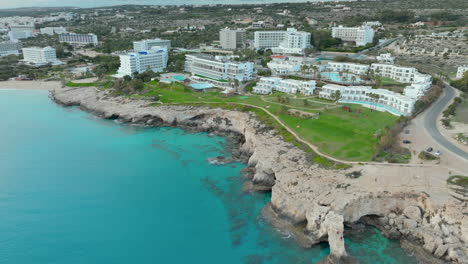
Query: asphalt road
column 430, row 122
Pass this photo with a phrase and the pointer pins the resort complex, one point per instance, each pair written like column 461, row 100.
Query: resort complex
column 461, row 71
column 268, row 84
column 10, row 48
column 218, row 68
column 79, row 39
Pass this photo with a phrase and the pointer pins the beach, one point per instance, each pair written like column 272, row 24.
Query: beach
column 30, row 85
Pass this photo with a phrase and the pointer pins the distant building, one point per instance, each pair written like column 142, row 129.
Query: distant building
column 232, row 38
column 10, row 48
column 268, row 84
column 461, row 71
column 360, row 35
column 154, row 59
column 53, row 30
column 386, row 58
column 40, row 56
column 22, row 28
column 218, row 68
column 79, row 39
column 284, row 65
column 148, row 44
column 290, row 41
column 355, row 68
column 18, row 35
column 372, row 24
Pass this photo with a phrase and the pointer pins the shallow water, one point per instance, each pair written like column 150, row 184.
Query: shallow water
column 78, row 189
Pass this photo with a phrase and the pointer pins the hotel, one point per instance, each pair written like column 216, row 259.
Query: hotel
column 378, row 99
column 40, row 56
column 141, row 61
column 148, row 44
column 232, row 39
column 53, row 30
column 359, row 69
column 360, row 35
column 10, row 48
column 290, row 41
column 79, row 39
column 461, row 71
column 268, row 84
column 218, row 68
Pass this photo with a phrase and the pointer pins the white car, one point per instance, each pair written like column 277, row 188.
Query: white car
column 437, row 153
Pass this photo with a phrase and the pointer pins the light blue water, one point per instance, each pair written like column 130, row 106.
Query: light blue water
column 201, row 86
column 77, row 189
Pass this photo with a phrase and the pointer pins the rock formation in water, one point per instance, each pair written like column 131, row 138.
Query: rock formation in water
column 314, row 202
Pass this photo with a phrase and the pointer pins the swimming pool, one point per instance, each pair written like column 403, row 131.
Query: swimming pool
column 335, row 77
column 201, row 86
column 179, row 78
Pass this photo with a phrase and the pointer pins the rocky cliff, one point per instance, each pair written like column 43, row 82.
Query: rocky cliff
column 315, row 203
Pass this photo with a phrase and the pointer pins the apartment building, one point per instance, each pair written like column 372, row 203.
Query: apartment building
column 398, row 73
column 10, row 48
column 218, row 67
column 284, row 65
column 40, row 56
column 232, row 39
column 360, row 35
column 79, row 39
column 290, row 41
column 378, row 99
column 385, row 58
column 355, row 68
column 268, row 84
column 53, row 30
column 18, row 35
column 148, row 44
column 461, row 71
column 154, row 59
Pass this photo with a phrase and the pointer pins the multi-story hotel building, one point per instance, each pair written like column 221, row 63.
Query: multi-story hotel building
column 218, row 68
column 154, row 59
column 360, row 69
column 232, row 38
column 40, row 56
column 53, row 30
column 461, row 71
column 378, row 99
column 18, row 32
column 290, row 41
column 148, row 44
column 360, row 35
column 268, row 84
column 398, row 73
column 385, row 58
column 79, row 39
column 10, row 48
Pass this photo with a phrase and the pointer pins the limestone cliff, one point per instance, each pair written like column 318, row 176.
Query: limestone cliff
column 314, row 201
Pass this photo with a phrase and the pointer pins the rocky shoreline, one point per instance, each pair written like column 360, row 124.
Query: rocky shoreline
column 314, row 202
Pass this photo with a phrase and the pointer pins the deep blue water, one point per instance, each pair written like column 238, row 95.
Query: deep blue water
column 78, row 189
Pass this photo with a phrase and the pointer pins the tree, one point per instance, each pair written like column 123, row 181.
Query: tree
column 336, row 95
column 127, row 78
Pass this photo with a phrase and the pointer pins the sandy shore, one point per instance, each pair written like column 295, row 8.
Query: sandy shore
column 30, row 85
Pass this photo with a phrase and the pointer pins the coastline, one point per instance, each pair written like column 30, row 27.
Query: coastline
column 30, row 85
column 315, row 202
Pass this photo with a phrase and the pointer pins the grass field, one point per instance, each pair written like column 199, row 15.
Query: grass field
column 347, row 136
column 461, row 114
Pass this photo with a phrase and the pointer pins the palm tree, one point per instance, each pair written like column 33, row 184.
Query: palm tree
column 353, row 79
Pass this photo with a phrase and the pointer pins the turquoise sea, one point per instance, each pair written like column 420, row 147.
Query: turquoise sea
column 78, row 189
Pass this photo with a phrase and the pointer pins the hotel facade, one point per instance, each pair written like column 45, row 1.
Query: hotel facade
column 148, row 44
column 218, row 68
column 40, row 56
column 360, row 35
column 232, row 39
column 290, row 41
column 79, row 39
column 10, row 48
column 268, row 84
column 141, row 61
column 461, row 71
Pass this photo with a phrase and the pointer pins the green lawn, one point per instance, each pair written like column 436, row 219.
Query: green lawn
column 72, row 84
column 348, row 136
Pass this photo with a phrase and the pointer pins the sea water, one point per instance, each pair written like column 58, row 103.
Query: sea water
column 78, row 189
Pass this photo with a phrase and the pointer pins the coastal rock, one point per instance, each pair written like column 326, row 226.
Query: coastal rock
column 312, row 201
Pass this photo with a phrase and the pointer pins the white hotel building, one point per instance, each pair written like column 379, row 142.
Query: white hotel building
column 79, row 39
column 461, row 71
column 218, row 68
column 40, row 56
column 378, row 99
column 290, row 41
column 10, row 48
column 53, row 30
column 398, row 73
column 268, row 84
column 359, row 69
column 360, row 35
column 141, row 61
column 148, row 44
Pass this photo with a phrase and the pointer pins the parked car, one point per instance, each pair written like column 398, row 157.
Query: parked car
column 406, row 142
column 437, row 153
column 429, row 149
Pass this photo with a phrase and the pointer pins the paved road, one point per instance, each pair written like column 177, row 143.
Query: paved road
column 430, row 122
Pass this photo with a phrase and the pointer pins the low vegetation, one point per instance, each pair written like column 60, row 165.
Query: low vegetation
column 424, row 155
